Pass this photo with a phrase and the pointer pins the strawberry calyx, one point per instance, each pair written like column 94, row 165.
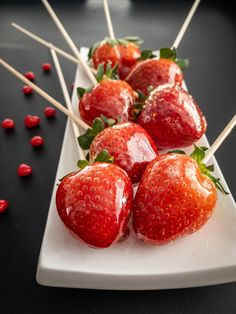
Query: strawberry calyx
column 139, row 104
column 104, row 156
column 99, row 124
column 168, row 53
column 146, row 54
column 107, row 72
column 198, row 154
column 113, row 42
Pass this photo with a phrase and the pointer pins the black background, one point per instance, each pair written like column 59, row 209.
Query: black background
column 210, row 46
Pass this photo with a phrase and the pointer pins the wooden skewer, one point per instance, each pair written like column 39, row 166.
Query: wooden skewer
column 44, row 94
column 220, row 139
column 185, row 24
column 49, row 45
column 108, row 19
column 67, row 98
column 69, row 41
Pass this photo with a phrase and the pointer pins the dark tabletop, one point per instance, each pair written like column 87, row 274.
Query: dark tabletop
column 210, row 45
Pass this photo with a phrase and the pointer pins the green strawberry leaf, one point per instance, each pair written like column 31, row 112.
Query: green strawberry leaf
column 141, row 95
column 104, row 156
column 198, row 154
column 82, row 163
column 92, row 50
column 108, row 121
column 81, row 91
column 86, row 139
column 146, row 54
column 182, row 63
column 168, row 53
column 100, row 72
column 111, row 42
column 134, row 39
column 150, row 88
column 177, row 151
column 112, row 72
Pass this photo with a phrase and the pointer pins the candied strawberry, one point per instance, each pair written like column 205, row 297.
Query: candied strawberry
column 173, row 199
column 172, row 117
column 129, row 144
column 154, row 72
column 95, row 203
column 112, row 98
column 125, row 55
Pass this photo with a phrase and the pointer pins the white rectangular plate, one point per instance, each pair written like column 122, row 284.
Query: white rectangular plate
column 206, row 257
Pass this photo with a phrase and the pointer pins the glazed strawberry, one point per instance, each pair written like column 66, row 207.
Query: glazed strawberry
column 30, row 76
column 3, row 206
column 174, row 198
column 129, row 144
column 37, row 141
column 49, row 112
column 27, row 90
column 154, row 72
column 8, row 124
column 172, row 117
column 46, row 67
column 24, row 170
column 95, row 203
column 112, row 98
column 31, row 121
column 123, row 52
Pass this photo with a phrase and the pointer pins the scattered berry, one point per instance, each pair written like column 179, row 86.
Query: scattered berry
column 24, row 170
column 37, row 141
column 8, row 124
column 31, row 121
column 3, row 205
column 27, row 90
column 46, row 67
column 30, row 76
column 49, row 112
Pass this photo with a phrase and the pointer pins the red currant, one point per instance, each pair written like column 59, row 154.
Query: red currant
column 46, row 67
column 30, row 76
column 8, row 124
column 3, row 205
column 24, row 170
column 37, row 141
column 27, row 90
column 49, row 112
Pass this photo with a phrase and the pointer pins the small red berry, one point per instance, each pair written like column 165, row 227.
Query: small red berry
column 3, row 205
column 49, row 112
column 8, row 124
column 31, row 121
column 37, row 141
column 46, row 67
column 30, row 76
column 27, row 90
column 24, row 170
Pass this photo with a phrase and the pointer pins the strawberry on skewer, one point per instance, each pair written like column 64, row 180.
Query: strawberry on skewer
column 129, row 144
column 95, row 203
column 112, row 98
column 167, row 69
column 177, row 193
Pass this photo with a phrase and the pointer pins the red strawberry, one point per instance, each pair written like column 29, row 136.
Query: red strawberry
column 31, row 121
column 123, row 53
column 112, row 98
column 95, row 203
column 129, row 144
column 172, row 117
column 154, row 72
column 24, row 170
column 173, row 199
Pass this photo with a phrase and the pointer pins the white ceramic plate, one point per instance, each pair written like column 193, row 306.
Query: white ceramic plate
column 206, row 257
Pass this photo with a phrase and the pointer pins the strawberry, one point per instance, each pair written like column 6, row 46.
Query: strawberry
column 123, row 52
column 172, row 117
column 154, row 72
column 129, row 144
column 112, row 98
column 176, row 197
column 95, row 203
